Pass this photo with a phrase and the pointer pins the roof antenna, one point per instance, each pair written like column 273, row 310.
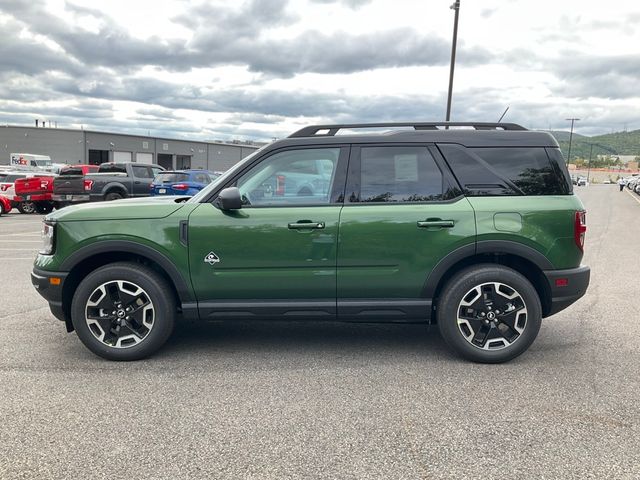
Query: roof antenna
column 503, row 114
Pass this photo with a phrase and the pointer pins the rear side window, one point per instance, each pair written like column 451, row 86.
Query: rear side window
column 141, row 172
column 112, row 168
column 201, row 178
column 505, row 171
column 399, row 174
column 171, row 177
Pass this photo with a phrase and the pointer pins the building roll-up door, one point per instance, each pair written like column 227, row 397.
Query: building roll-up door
column 120, row 157
column 144, row 158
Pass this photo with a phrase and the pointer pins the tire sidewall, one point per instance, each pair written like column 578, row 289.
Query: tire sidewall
column 111, row 196
column 460, row 285
column 29, row 210
column 159, row 293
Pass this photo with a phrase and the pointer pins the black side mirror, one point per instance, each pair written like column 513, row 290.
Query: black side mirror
column 229, row 199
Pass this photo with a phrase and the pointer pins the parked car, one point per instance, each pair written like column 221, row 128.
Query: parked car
column 181, row 182
column 5, row 205
column 34, row 194
column 8, row 179
column 582, row 181
column 476, row 230
column 113, row 181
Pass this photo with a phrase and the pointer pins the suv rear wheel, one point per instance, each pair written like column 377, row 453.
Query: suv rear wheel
column 123, row 311
column 489, row 313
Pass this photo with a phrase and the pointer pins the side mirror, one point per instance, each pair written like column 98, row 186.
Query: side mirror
column 229, row 199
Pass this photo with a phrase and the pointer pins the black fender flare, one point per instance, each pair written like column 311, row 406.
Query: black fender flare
column 127, row 246
column 479, row 248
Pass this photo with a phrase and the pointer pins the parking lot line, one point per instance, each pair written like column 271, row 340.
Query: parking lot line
column 20, row 241
column 28, row 234
column 632, row 196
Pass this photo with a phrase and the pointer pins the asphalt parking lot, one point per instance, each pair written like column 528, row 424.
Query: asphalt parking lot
column 276, row 400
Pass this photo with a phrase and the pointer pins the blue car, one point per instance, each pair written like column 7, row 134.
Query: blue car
column 181, row 182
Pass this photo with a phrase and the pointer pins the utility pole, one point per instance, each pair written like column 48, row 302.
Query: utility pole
column 456, row 7
column 572, row 120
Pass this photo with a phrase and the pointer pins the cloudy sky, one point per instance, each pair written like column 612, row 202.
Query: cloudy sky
column 258, row 69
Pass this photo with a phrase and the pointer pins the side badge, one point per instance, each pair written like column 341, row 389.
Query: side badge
column 211, row 259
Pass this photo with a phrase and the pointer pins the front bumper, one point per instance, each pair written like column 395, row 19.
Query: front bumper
column 50, row 291
column 566, row 286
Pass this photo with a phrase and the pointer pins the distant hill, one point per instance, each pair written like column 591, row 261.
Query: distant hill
column 617, row 143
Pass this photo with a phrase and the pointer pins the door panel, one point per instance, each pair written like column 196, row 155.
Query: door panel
column 384, row 253
column 260, row 257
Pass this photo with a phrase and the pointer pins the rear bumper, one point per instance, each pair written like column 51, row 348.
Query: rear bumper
column 52, row 293
column 70, row 198
column 566, row 286
column 33, row 197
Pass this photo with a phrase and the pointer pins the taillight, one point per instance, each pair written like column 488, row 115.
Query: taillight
column 180, row 186
column 151, row 186
column 280, row 179
column 580, row 228
column 87, row 185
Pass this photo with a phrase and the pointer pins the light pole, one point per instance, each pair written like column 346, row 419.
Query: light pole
column 589, row 164
column 571, row 136
column 456, row 7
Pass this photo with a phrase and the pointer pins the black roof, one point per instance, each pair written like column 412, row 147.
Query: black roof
column 477, row 134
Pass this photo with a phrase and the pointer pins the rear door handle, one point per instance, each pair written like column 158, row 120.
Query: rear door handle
column 306, row 225
column 436, row 223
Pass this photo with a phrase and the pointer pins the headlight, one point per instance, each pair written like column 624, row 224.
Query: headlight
column 48, row 236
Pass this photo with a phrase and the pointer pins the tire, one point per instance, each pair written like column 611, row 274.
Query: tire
column 113, row 196
column 137, row 338
column 472, row 316
column 27, row 207
column 44, row 208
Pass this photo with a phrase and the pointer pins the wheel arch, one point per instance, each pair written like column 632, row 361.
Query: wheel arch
column 99, row 254
column 115, row 187
column 521, row 258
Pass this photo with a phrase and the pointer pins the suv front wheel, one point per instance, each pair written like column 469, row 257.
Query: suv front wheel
column 123, row 311
column 489, row 313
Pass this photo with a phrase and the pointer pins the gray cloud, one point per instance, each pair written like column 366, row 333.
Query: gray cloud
column 350, row 3
column 224, row 36
column 584, row 76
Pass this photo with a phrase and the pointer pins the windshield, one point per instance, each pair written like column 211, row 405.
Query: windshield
column 223, row 178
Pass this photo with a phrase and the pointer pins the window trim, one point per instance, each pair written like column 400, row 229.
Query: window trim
column 337, row 188
column 354, row 175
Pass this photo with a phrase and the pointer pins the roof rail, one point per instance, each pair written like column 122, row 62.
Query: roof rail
column 332, row 130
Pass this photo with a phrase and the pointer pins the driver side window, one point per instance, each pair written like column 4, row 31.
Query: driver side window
column 293, row 177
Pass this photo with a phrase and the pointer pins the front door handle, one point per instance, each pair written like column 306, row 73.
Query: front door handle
column 436, row 223
column 306, row 225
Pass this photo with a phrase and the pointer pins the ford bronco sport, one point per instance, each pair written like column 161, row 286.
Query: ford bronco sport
column 474, row 229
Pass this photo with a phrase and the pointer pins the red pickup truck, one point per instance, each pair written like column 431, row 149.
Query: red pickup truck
column 35, row 194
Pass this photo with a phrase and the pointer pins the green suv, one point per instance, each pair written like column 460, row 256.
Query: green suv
column 475, row 229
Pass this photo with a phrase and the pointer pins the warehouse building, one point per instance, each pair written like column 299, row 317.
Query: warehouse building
column 82, row 146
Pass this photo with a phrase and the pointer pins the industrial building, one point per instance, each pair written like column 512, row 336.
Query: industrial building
column 83, row 146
